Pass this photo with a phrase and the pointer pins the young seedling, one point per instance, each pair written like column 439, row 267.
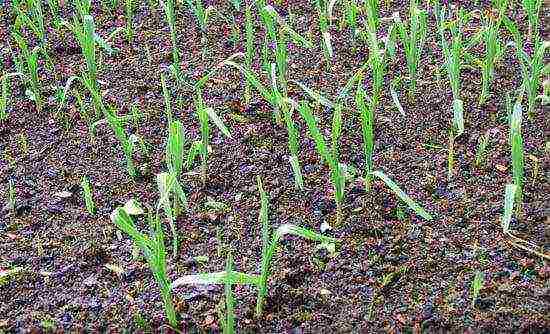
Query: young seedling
column 228, row 278
column 129, row 12
column 35, row 22
column 11, row 196
column 493, row 49
column 367, row 126
column 153, row 249
column 54, row 11
column 203, row 114
column 328, row 155
column 351, row 13
column 516, row 143
column 127, row 144
column 87, row 193
column 482, row 144
column 413, row 39
column 85, row 34
column 201, row 13
column 324, row 26
column 403, row 196
column 532, row 8
column 228, row 324
column 174, row 160
column 4, row 98
column 532, row 66
column 169, row 11
column 477, row 285
column 269, row 247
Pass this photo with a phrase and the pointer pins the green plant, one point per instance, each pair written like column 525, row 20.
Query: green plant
column 516, row 143
column 127, row 145
column 228, row 324
column 4, row 98
column 129, row 13
column 413, row 39
column 11, row 195
column 153, row 249
column 373, row 14
column 174, row 160
column 29, row 68
column 34, row 21
column 402, row 195
column 367, row 126
column 204, row 113
column 351, row 13
column 329, row 155
column 532, row 8
column 324, row 26
column 87, row 193
column 85, row 34
column 53, row 5
column 453, row 52
column 493, row 49
column 269, row 247
column 482, row 143
column 169, row 12
column 532, row 66
column 201, row 13
column 477, row 285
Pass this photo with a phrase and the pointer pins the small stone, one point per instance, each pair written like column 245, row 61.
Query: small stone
column 501, row 168
column 325, row 227
column 63, row 194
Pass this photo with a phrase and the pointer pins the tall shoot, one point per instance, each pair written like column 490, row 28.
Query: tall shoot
column 154, row 251
column 367, row 125
column 516, row 143
column 413, row 38
column 328, row 154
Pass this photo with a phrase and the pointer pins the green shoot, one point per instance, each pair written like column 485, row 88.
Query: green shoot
column 532, row 8
column 269, row 248
column 54, row 11
column 482, row 144
column 127, row 145
column 509, row 197
column 166, row 184
column 236, row 4
column 11, row 195
column 351, row 13
column 450, row 156
column 477, row 285
column 367, row 125
column 203, row 114
column 516, row 143
column 4, row 98
column 85, row 35
column 373, row 14
column 169, row 12
column 493, row 48
column 129, row 13
column 153, row 249
column 532, row 66
column 403, row 196
column 327, row 155
column 200, row 12
column 453, row 51
column 87, row 193
column 174, row 160
column 229, row 323
column 413, row 39
column 326, row 43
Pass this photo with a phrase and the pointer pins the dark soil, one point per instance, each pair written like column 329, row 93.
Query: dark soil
column 65, row 255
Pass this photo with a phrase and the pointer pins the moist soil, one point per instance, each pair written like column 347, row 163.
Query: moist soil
column 393, row 271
